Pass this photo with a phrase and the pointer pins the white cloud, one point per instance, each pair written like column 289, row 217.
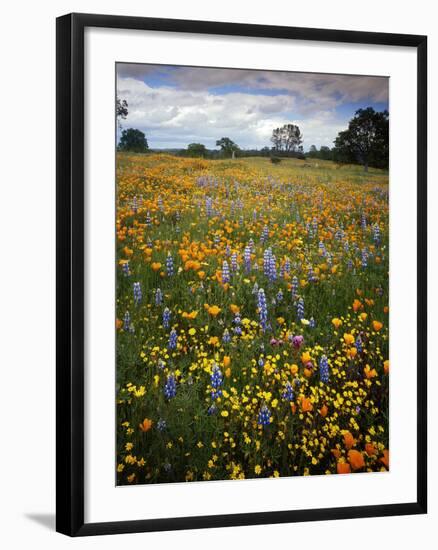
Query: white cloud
column 192, row 110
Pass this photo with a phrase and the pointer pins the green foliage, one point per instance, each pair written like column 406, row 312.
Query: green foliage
column 288, row 138
column 133, row 140
column 228, row 147
column 196, row 150
column 366, row 139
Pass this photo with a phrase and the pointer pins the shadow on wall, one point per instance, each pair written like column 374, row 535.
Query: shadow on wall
column 46, row 520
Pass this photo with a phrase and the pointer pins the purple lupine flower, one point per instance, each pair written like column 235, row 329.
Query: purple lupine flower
column 324, row 370
column 264, row 417
column 169, row 265
column 267, row 261
column 170, row 387
column 208, row 206
column 158, row 297
column 294, row 286
column 300, row 309
column 226, row 338
column 138, row 296
column 125, row 269
column 216, row 381
column 234, row 261
column 247, row 258
column 272, row 269
column 127, row 326
column 225, row 272
column 288, row 393
column 263, row 309
column 173, row 339
column 311, row 275
column 166, row 317
column 161, row 425
column 376, row 234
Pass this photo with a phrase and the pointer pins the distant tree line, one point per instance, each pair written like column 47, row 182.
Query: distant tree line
column 365, row 142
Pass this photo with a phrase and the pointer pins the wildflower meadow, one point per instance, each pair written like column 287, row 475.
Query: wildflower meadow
column 252, row 319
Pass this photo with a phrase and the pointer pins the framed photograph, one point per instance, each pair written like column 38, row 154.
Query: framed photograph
column 241, row 274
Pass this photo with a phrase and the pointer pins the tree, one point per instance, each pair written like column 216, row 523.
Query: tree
column 292, row 137
column 133, row 140
column 228, row 147
column 196, row 150
column 288, row 138
column 121, row 110
column 313, row 151
column 277, row 139
column 366, row 139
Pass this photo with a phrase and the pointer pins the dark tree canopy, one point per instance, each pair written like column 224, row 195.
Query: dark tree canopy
column 288, row 138
column 366, row 139
column 121, row 110
column 196, row 150
column 133, row 140
column 228, row 147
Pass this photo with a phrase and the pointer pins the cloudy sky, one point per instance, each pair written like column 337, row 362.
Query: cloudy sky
column 175, row 106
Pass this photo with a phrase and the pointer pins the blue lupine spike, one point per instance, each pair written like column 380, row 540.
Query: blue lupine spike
column 324, row 370
column 264, row 416
column 138, row 296
column 166, row 317
column 173, row 339
column 170, row 387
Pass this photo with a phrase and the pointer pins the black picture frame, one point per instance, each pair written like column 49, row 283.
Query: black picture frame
column 70, row 273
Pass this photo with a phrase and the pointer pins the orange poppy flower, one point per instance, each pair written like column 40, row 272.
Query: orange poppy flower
column 385, row 458
column 349, row 440
column 226, row 361
column 348, row 338
column 355, row 458
column 214, row 310
column 146, row 425
column 357, row 304
column 336, row 453
column 377, row 325
column 336, row 322
column 343, row 468
column 306, row 405
column 370, row 449
column 386, row 366
column 323, row 410
column 156, row 266
column 369, row 372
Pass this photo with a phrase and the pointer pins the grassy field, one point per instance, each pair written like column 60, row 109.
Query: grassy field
column 252, row 319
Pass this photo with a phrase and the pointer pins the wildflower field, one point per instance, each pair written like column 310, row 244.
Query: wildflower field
column 252, row 319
